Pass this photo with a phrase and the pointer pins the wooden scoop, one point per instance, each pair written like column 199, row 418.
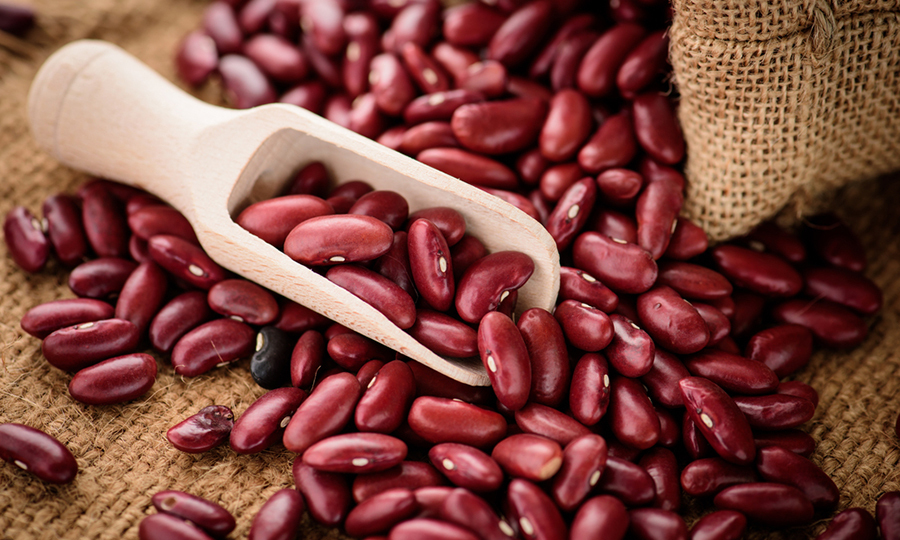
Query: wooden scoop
column 97, row 109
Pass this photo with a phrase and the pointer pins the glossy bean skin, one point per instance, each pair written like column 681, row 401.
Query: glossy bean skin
column 327, row 494
column 379, row 513
column 775, row 464
column 601, row 63
column 471, row 24
column 355, row 453
column 388, row 206
column 564, row 72
column 543, row 63
column 263, row 423
column 557, row 179
column 439, row 106
column 432, row 383
column 486, row 282
column 520, row 34
column 644, row 63
column 390, row 84
column 37, row 452
column 688, row 240
column 273, row 219
column 575, row 284
column 708, row 476
column 661, row 465
column 178, row 317
column 505, row 357
column 154, row 219
column 104, row 222
column 431, row 264
column 620, row 187
column 466, row 466
column 774, row 239
column 387, row 398
column 205, row 514
column 427, row 135
column 185, row 261
column 774, row 505
column 117, row 380
column 394, row 264
column 548, row 422
column 100, row 278
column 499, row 127
column 601, row 517
column 694, row 281
column 831, row 324
column 614, row 225
column 719, row 419
column 627, row 481
column 584, row 326
column 851, row 524
column 694, row 442
column 167, row 527
column 762, row 273
column 440, row 420
column 64, row 229
column 466, row 509
column 306, row 358
column 534, row 511
column 662, row 379
column 775, row 411
column 470, row 167
column 547, row 352
column 632, row 418
column 451, row 223
column 210, row 345
column 76, row 347
column 656, row 212
column 245, row 83
column 720, row 525
column 351, row 351
column 799, row 389
column 845, row 287
column 584, row 459
column 631, row 351
column 333, row 239
column 623, row 267
column 412, row 475
column 656, row 127
column 671, row 321
column 203, row 431
column 432, row 529
column 324, row 413
column 589, row 393
column 567, row 125
column 732, row 372
column 571, row 212
column 785, row 349
column 376, row 290
column 279, row 518
column 44, row 319
column 794, row 440
column 444, row 335
column 656, row 523
column 142, row 295
column 612, row 145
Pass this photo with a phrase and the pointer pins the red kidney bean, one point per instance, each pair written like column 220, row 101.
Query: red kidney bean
column 262, row 424
column 470, row 168
column 142, row 295
column 220, row 23
column 584, row 460
column 632, row 418
column 181, row 315
column 519, row 201
column 324, row 413
column 44, row 319
column 542, row 64
column 567, row 125
column 564, row 72
column 426, row 72
column 121, row 192
column 612, row 145
column 379, row 513
column 499, row 127
column 644, row 63
column 431, row 383
column 601, row 63
column 326, row 67
column 531, row 165
column 394, row 264
column 16, row 19
column 720, row 525
column 337, row 109
column 471, row 25
column 439, row 106
column 558, row 179
column 451, row 223
column 210, row 345
column 433, row 134
column 207, row 515
column 662, row 467
column 335, row 239
column 799, row 389
column 505, row 357
column 117, row 380
column 776, row 464
column 363, row 36
column 571, row 212
column 355, row 453
column 693, row 281
column 844, row 287
column 831, row 324
column 306, row 358
column 104, row 222
column 773, row 505
column 440, row 420
column 430, row 499
column 279, row 518
column 466, row 466
column 351, row 351
column 40, row 454
column 420, row 528
column 656, row 213
column 243, row 300
column 376, row 290
column 387, row 398
column 520, row 35
column 851, row 524
column 156, row 219
column 669, row 428
column 488, row 281
column 589, row 393
column 412, row 475
column 614, row 225
column 708, row 476
column 775, row 411
column 327, row 494
column 167, row 527
column 719, row 419
column 621, row 266
column 196, row 58
column 390, row 84
column 656, row 523
column 313, row 179
column 141, row 201
column 769, row 236
column 835, row 243
column 273, row 219
column 367, row 373
column 662, row 379
column 245, row 84
column 631, row 351
column 694, row 442
column 656, row 127
column 533, row 511
column 365, row 118
column 601, row 517
column 575, row 284
column 430, row 264
column 466, row 509
column 548, row 422
column 790, row 439
column 688, row 240
column 546, row 346
column 627, row 481
column 444, row 335
column 202, row 431
column 671, row 321
column 763, row 273
column 323, row 22
column 585, row 326
column 100, row 278
column 620, row 187
column 417, row 23
column 185, row 261
column 64, row 230
column 733, row 372
column 76, row 347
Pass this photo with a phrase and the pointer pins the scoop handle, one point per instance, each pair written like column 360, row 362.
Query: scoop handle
column 97, row 109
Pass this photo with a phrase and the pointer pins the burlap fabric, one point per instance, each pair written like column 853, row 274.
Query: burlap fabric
column 781, row 102
column 122, row 452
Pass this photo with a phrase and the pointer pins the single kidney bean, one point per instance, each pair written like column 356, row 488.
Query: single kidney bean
column 669, row 428
column 432, row 383
column 589, row 393
column 733, row 372
column 430, row 499
column 412, row 475
column 531, row 165
column 117, row 380
column 426, row 72
column 376, row 290
column 202, row 431
column 263, row 423
column 719, row 325
column 334, row 239
column 614, row 225
column 571, row 212
column 367, row 373
column 363, row 44
column 720, row 525
column 451, row 223
column 196, row 58
column 210, row 345
column 387, row 398
column 466, row 509
column 627, row 481
column 390, row 84
column 763, row 273
column 644, row 63
column 776, row 464
column 775, row 411
column 417, row 22
column 584, row 460
column 656, row 212
column 351, row 350
column 270, row 363
column 520, row 35
column 620, row 187
column 419, row 528
column 138, row 202
column 439, row 106
column 688, row 240
column 835, row 243
column 656, row 127
column 543, row 63
column 74, row 348
column 156, row 219
column 181, row 315
column 185, row 261
column 470, row 167
column 487, row 77
column 430, row 264
column 799, row 389
column 671, row 321
column 568, row 124
column 575, row 284
column 851, row 524
column 245, row 84
column 279, row 518
column 791, row 439
column 535, row 512
column 379, row 513
column 104, row 222
column 612, row 145
column 44, row 319
column 662, row 467
column 564, row 73
column 505, row 357
column 306, row 358
column 844, row 287
column 773, row 505
column 365, row 118
column 64, row 230
column 632, row 418
column 444, row 335
column 708, row 476
column 205, row 514
column 142, row 295
column 221, row 24
column 488, row 281
column 631, row 351
column 831, row 324
column 355, row 453
column 471, row 25
column 548, row 422
column 662, row 379
column 273, row 219
column 324, row 413
column 466, row 466
column 313, row 179
column 601, row 63
column 168, row 527
column 439, row 420
column 327, row 494
column 719, row 419
column 585, row 326
column 623, row 267
column 693, row 281
column 499, row 127
column 546, row 346
column 100, row 278
column 600, row 517
column 770, row 237
column 656, row 523
column 557, row 179
column 323, row 22
column 433, row 134
column 388, row 206
column 40, row 454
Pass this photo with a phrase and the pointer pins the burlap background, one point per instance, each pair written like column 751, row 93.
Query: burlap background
column 121, row 450
column 782, row 102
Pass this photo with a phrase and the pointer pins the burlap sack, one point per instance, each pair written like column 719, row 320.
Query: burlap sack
column 781, row 102
column 122, row 452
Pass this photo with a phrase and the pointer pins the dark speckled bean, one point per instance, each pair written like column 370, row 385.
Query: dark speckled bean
column 64, row 229
column 376, row 290
column 116, row 380
column 279, row 518
column 167, row 527
column 263, row 423
column 210, row 345
column 774, row 505
column 181, row 315
column 100, row 278
column 185, row 261
column 76, row 347
column 207, row 515
column 202, row 431
column 38, row 453
column 44, row 319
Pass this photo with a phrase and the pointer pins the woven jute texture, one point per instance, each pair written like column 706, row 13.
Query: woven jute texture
column 122, row 452
column 782, row 102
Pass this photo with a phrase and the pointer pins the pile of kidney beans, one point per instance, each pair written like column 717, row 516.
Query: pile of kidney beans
column 658, row 376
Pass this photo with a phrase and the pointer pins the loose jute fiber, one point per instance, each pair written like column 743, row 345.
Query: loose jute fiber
column 782, row 102
column 121, row 450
